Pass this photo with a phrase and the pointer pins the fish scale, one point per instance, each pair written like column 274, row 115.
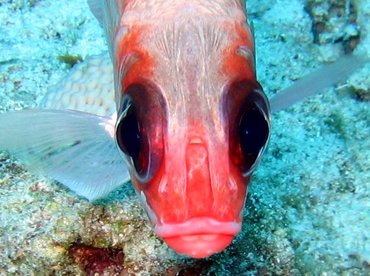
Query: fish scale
column 87, row 88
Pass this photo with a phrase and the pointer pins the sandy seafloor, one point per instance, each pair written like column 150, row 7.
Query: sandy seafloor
column 308, row 209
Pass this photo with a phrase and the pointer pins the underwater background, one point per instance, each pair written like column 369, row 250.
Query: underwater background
column 308, row 208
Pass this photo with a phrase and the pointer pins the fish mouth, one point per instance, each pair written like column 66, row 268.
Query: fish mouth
column 199, row 246
column 198, row 237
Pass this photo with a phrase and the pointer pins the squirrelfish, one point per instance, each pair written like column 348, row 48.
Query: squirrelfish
column 192, row 121
column 190, row 126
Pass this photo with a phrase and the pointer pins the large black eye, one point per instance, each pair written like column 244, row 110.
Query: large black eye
column 128, row 133
column 253, row 132
column 140, row 129
column 246, row 111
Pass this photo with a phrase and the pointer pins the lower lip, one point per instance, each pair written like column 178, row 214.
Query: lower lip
column 199, row 246
column 198, row 237
column 197, row 225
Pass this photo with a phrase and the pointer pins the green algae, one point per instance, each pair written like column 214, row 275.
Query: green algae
column 70, row 60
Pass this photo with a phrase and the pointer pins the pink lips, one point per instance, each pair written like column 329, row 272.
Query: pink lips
column 198, row 237
column 199, row 246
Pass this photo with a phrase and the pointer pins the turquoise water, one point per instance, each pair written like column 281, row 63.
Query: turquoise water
column 308, row 206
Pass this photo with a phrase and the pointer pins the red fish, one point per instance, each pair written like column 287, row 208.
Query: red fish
column 192, row 119
column 191, row 126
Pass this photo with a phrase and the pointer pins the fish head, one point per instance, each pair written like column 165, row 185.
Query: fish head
column 192, row 123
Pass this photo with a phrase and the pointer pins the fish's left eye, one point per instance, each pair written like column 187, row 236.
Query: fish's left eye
column 247, row 117
column 254, row 132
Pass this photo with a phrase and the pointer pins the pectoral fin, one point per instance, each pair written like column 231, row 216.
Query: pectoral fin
column 326, row 76
column 74, row 148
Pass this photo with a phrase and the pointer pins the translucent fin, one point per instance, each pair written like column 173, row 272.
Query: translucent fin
column 96, row 7
column 75, row 148
column 326, row 76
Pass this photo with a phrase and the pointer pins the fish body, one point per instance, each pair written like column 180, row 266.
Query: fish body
column 184, row 72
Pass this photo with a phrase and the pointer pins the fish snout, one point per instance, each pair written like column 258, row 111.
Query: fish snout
column 196, row 201
column 211, row 210
column 199, row 197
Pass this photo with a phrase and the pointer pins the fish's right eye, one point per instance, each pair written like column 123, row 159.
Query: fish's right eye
column 128, row 133
column 139, row 129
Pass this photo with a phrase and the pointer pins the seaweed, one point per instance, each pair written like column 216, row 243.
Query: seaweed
column 69, row 59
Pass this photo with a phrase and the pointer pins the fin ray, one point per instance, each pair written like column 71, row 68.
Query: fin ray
column 69, row 146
